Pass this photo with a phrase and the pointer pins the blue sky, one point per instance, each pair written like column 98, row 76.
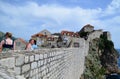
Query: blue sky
column 26, row 17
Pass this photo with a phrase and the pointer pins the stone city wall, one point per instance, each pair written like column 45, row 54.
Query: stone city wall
column 43, row 64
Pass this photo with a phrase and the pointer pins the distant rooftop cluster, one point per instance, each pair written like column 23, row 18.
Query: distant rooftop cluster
column 65, row 38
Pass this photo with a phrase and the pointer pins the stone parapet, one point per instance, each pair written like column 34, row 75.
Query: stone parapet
column 62, row 63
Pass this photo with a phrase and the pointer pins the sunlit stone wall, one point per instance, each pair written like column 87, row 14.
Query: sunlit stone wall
column 62, row 63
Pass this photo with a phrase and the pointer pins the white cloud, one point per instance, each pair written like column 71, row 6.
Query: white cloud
column 32, row 18
column 113, row 8
column 58, row 15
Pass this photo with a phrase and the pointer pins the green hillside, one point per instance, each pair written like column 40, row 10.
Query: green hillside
column 1, row 35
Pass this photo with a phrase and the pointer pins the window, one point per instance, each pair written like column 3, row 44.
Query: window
column 76, row 44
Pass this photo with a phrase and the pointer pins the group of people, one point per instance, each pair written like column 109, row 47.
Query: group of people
column 9, row 44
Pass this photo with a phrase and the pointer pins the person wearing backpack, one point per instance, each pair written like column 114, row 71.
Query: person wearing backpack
column 7, row 43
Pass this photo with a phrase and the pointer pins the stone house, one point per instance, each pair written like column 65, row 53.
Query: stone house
column 41, row 37
column 95, row 34
column 45, row 32
column 68, row 36
column 20, row 44
column 51, row 42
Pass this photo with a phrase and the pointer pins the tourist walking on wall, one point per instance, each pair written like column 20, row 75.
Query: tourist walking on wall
column 34, row 46
column 29, row 45
column 7, row 43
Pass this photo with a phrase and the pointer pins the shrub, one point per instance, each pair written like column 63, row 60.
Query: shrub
column 83, row 34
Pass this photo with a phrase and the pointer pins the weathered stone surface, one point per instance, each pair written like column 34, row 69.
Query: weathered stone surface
column 20, row 77
column 8, row 74
column 25, row 68
column 39, row 63
column 45, row 55
column 8, row 62
column 56, row 64
column 26, row 59
column 41, row 56
column 19, row 60
column 37, row 57
column 18, row 70
column 33, row 65
column 32, row 58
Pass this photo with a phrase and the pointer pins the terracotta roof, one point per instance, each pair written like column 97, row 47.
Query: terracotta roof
column 38, row 35
column 42, row 33
column 67, row 32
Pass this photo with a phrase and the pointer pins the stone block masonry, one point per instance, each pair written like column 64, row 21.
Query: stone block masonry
column 44, row 63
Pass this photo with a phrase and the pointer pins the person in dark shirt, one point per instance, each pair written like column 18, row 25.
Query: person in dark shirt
column 7, row 43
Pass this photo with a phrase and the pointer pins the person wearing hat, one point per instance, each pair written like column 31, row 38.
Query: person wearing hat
column 7, row 43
